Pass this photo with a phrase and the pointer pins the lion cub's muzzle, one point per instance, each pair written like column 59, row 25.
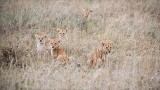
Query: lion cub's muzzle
column 52, row 47
column 41, row 42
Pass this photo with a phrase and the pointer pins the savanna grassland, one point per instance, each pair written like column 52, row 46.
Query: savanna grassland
column 132, row 25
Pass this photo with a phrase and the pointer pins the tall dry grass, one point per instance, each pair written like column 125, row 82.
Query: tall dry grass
column 133, row 26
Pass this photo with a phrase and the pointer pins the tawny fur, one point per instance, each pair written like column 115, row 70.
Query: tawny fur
column 57, row 52
column 97, row 57
column 62, row 34
column 86, row 13
column 41, row 44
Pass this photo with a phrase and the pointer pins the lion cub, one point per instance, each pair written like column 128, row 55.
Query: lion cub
column 62, row 34
column 57, row 52
column 97, row 57
column 86, row 13
column 41, row 44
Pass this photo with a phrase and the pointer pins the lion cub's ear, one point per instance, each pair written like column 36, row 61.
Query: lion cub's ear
column 49, row 39
column 36, row 36
column 45, row 36
column 58, row 29
column 83, row 10
column 103, row 43
column 111, row 44
column 66, row 29
column 90, row 10
column 59, row 41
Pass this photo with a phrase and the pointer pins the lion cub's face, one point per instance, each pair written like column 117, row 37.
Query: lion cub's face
column 53, row 44
column 87, row 12
column 62, row 32
column 106, row 47
column 40, row 39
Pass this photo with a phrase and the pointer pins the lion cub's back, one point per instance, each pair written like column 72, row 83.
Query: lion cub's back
column 61, row 51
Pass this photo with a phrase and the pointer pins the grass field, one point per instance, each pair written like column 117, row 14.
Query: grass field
column 132, row 25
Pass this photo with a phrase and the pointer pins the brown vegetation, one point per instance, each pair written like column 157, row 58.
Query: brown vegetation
column 132, row 25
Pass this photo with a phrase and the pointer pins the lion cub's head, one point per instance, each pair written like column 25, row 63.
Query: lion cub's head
column 86, row 13
column 40, row 38
column 53, row 43
column 62, row 32
column 106, row 47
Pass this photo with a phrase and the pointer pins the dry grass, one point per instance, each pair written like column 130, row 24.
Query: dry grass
column 133, row 26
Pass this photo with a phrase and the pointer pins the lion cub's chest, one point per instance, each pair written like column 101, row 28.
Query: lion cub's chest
column 56, row 52
column 40, row 47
